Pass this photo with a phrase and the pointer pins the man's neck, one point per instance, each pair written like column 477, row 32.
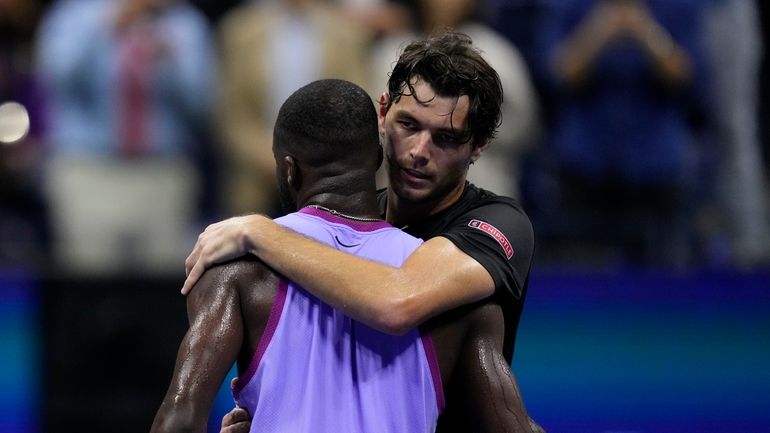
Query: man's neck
column 402, row 213
column 356, row 206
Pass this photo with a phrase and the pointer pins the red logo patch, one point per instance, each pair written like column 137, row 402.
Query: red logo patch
column 496, row 235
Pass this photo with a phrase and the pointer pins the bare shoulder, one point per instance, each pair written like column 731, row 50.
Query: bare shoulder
column 255, row 281
column 235, row 273
column 244, row 276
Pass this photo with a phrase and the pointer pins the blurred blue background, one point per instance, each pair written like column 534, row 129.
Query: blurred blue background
column 21, row 338
column 621, row 351
column 640, row 351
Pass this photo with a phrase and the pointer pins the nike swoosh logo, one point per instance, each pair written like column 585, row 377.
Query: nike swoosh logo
column 343, row 244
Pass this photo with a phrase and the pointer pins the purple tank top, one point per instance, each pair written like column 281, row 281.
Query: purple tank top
column 316, row 370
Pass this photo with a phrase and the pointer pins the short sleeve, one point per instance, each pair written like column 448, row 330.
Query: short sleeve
column 499, row 236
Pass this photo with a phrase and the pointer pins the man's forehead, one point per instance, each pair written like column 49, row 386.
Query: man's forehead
column 425, row 93
column 426, row 105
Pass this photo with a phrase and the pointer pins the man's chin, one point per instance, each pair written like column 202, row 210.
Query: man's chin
column 410, row 194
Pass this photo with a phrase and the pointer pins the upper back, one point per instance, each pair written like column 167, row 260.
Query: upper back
column 374, row 240
column 315, row 369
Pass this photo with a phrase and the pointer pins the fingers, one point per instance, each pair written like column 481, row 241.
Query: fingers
column 237, row 428
column 193, row 266
column 195, row 273
column 190, row 261
column 238, row 414
column 197, row 250
column 236, row 421
column 218, row 242
column 190, row 264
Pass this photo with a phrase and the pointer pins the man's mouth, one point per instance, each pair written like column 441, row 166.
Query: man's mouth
column 415, row 177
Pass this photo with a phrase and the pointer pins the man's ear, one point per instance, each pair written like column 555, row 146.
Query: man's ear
column 381, row 112
column 293, row 173
column 477, row 151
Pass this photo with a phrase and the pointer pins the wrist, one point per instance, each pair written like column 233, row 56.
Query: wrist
column 254, row 233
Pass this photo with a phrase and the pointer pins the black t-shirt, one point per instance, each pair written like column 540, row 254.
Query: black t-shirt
column 494, row 231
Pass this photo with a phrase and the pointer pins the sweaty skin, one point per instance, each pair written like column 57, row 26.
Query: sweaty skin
column 228, row 311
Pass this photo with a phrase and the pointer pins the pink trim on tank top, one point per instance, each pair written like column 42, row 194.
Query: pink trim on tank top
column 272, row 323
column 361, row 226
column 435, row 372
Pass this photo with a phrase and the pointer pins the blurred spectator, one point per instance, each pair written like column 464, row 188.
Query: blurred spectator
column 628, row 76
column 130, row 85
column 734, row 41
column 23, row 216
column 381, row 17
column 269, row 49
column 498, row 169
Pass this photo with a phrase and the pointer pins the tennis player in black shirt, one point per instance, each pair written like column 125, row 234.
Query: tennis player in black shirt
column 440, row 112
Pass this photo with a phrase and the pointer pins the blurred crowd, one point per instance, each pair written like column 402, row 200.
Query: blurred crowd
column 631, row 129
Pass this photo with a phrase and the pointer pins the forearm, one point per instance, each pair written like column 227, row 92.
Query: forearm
column 434, row 278
column 514, row 411
column 497, row 402
column 670, row 61
column 178, row 416
column 369, row 292
column 183, row 409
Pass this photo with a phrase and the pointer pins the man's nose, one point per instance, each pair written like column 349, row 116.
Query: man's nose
column 420, row 150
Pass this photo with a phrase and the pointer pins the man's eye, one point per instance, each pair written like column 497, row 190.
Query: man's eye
column 447, row 138
column 407, row 124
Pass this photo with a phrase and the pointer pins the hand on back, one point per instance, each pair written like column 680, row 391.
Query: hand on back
column 220, row 242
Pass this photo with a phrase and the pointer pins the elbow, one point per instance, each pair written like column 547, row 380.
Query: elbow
column 178, row 420
column 173, row 423
column 397, row 317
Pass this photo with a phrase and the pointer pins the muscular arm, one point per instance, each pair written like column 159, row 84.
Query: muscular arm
column 435, row 278
column 207, row 352
column 493, row 397
column 482, row 393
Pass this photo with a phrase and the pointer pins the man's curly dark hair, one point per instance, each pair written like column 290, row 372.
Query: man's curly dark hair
column 453, row 67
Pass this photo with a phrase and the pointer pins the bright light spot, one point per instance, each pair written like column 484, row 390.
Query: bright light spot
column 14, row 122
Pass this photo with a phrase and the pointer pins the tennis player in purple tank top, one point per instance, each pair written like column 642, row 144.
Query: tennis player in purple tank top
column 304, row 366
